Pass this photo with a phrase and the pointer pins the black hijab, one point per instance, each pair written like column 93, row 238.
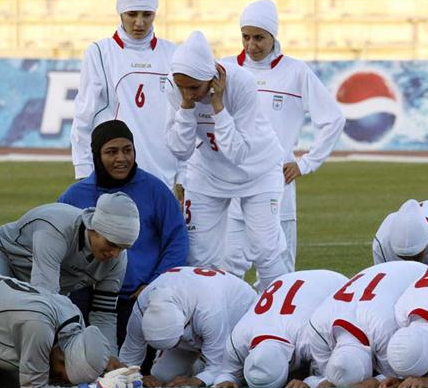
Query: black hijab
column 102, row 134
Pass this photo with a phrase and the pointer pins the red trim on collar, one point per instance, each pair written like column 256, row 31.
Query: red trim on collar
column 422, row 313
column 261, row 338
column 119, row 41
column 153, row 42
column 352, row 329
column 275, row 61
column 241, row 58
column 121, row 44
column 242, row 55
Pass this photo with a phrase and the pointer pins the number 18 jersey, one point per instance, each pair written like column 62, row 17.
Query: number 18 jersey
column 281, row 313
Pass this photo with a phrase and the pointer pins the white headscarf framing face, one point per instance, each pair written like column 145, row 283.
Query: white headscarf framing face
column 194, row 58
column 136, row 5
column 261, row 14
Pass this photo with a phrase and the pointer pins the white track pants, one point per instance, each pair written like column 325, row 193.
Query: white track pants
column 264, row 243
column 237, row 263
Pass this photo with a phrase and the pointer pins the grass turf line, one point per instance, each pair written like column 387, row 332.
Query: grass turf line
column 340, row 206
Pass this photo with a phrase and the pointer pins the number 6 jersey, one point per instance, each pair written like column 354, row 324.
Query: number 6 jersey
column 125, row 81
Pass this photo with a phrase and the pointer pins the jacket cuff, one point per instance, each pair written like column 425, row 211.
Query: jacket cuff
column 304, row 166
column 206, row 377
column 226, row 377
column 83, row 170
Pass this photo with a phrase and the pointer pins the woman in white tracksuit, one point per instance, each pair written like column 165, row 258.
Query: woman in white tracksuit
column 231, row 151
column 287, row 91
column 123, row 78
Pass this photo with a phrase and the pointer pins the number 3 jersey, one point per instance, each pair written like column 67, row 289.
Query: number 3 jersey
column 125, row 82
column 232, row 153
column 281, row 313
column 212, row 300
column 363, row 307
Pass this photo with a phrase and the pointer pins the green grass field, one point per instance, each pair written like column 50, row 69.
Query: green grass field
column 339, row 207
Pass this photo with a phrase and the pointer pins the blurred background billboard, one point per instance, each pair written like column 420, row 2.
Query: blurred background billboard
column 372, row 55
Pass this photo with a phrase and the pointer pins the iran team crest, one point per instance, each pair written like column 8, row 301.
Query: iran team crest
column 277, row 102
column 274, row 206
column 162, row 81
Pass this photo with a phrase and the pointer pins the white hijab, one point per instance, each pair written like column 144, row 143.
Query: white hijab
column 262, row 14
column 136, row 5
column 408, row 232
column 194, row 58
column 135, row 44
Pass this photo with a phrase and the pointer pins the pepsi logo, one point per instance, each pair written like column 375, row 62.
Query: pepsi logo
column 371, row 104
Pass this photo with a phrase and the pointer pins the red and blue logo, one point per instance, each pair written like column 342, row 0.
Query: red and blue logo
column 371, row 104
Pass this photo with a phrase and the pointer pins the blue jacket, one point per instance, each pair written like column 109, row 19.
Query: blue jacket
column 163, row 241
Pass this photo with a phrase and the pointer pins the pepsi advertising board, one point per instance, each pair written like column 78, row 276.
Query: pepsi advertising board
column 385, row 103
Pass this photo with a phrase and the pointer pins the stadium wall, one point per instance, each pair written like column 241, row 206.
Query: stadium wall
column 385, row 103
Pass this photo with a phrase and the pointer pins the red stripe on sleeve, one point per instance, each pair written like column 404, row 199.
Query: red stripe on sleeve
column 352, row 329
column 261, row 338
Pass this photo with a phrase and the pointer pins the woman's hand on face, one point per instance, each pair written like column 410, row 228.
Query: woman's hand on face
column 217, row 87
column 187, row 102
column 179, row 192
